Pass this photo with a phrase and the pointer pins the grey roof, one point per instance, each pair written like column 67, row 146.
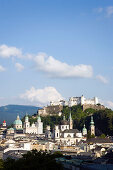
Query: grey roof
column 64, row 122
column 71, row 131
column 99, row 140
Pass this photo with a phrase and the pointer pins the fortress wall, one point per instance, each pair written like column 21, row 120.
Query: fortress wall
column 96, row 107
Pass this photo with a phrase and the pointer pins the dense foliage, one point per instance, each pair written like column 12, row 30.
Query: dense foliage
column 33, row 160
column 103, row 119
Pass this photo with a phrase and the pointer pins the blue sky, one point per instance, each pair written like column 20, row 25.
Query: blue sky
column 55, row 49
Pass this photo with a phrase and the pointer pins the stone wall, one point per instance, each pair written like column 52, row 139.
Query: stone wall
column 96, row 107
column 50, row 110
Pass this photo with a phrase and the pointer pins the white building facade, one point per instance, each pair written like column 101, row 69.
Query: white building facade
column 73, row 101
column 35, row 128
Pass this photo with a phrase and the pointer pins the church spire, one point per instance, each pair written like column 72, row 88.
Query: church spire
column 92, row 122
column 92, row 126
column 64, row 117
column 70, row 121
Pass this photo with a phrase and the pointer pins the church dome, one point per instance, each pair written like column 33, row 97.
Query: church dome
column 17, row 122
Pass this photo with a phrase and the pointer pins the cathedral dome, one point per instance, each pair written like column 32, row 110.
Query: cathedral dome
column 17, row 122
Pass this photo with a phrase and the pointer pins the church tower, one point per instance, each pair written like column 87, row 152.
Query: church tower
column 4, row 123
column 56, row 132
column 92, row 126
column 39, row 125
column 70, row 122
column 26, row 123
column 84, row 131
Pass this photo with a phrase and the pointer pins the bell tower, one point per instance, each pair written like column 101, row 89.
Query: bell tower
column 92, row 126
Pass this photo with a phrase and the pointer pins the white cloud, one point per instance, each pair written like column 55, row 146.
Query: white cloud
column 19, row 67
column 7, row 52
column 2, row 68
column 102, row 79
column 41, row 96
column 56, row 68
column 98, row 10
column 108, row 104
column 109, row 11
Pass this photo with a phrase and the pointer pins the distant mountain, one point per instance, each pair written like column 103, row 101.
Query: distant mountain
column 10, row 112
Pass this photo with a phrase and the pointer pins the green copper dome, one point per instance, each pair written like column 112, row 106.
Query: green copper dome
column 84, row 129
column 39, row 118
column 17, row 122
column 92, row 122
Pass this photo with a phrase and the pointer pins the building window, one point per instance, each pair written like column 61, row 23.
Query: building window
column 62, row 127
column 57, row 134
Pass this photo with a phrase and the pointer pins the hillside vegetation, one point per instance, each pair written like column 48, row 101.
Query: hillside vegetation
column 103, row 119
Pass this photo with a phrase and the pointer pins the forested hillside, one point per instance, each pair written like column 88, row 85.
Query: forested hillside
column 103, row 119
column 10, row 112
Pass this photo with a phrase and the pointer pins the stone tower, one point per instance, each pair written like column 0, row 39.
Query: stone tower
column 92, row 126
column 70, row 122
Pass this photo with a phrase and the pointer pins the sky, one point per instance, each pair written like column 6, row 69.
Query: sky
column 52, row 50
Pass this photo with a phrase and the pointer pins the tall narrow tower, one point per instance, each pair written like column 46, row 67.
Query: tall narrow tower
column 92, row 126
column 39, row 125
column 70, row 122
column 26, row 124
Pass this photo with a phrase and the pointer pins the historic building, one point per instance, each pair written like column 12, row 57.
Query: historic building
column 92, row 126
column 36, row 128
column 64, row 134
column 84, row 131
column 73, row 101
column 17, row 124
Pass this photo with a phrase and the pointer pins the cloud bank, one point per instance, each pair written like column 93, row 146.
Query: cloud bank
column 7, row 52
column 56, row 68
column 42, row 96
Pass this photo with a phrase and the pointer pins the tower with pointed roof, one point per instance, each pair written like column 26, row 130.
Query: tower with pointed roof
column 4, row 123
column 70, row 122
column 26, row 124
column 84, row 131
column 92, row 126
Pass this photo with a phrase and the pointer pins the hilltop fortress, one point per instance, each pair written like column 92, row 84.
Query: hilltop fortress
column 56, row 107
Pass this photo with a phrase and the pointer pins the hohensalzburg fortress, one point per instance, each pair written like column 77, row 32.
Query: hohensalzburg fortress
column 73, row 101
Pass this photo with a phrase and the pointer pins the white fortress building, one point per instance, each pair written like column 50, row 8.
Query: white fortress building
column 73, row 101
